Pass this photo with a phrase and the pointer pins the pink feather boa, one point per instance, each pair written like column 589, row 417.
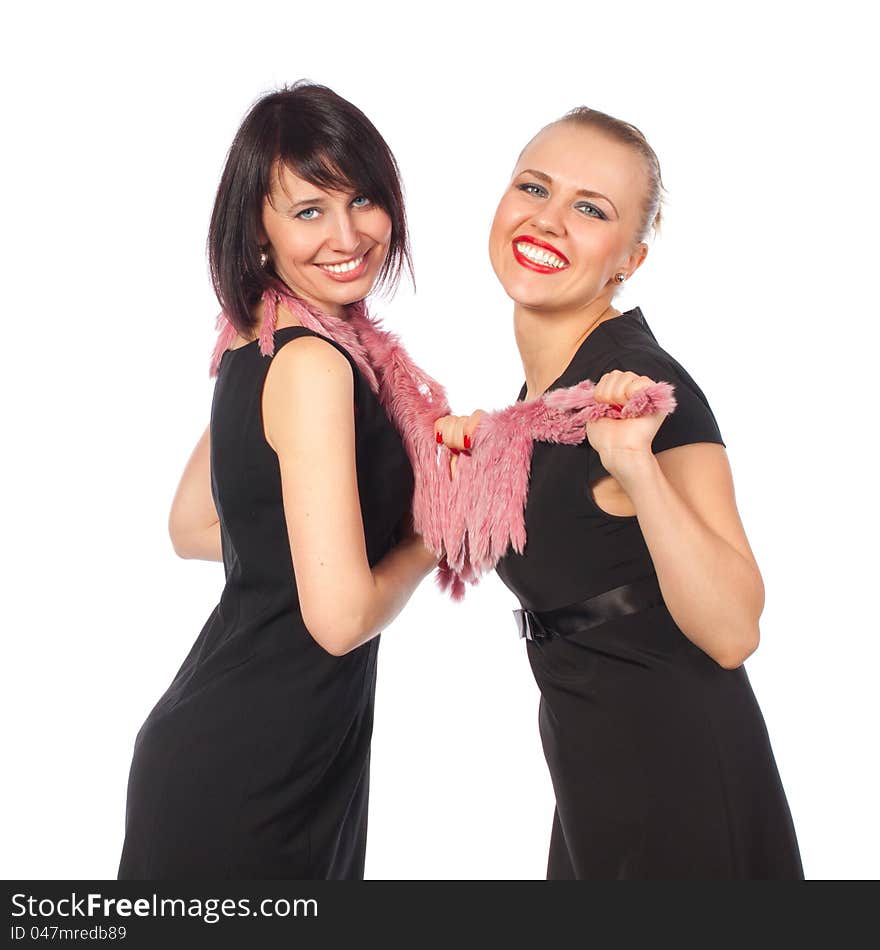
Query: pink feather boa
column 472, row 520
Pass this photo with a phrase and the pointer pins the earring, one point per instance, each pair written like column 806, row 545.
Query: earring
column 264, row 258
column 620, row 277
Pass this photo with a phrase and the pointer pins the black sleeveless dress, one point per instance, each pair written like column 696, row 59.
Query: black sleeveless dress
column 255, row 761
column 659, row 757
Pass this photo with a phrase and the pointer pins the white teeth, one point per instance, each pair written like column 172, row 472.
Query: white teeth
column 539, row 256
column 343, row 268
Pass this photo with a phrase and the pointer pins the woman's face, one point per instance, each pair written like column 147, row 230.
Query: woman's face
column 569, row 219
column 327, row 246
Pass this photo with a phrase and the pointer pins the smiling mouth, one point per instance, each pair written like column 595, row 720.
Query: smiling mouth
column 540, row 257
column 344, row 267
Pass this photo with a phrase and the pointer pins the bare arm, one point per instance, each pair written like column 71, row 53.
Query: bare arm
column 309, row 422
column 193, row 523
column 686, row 508
column 684, row 500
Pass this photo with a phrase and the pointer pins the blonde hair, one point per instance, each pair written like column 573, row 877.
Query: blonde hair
column 627, row 134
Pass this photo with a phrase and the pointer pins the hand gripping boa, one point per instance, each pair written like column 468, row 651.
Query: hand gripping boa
column 472, row 520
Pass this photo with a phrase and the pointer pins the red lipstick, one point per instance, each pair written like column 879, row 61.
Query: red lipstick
column 534, row 265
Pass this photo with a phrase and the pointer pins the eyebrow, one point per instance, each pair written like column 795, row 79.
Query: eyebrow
column 586, row 193
column 305, row 201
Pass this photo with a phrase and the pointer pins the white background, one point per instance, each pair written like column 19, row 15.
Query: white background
column 763, row 284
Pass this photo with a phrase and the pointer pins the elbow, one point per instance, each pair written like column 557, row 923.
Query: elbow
column 336, row 635
column 178, row 543
column 334, row 644
column 178, row 538
column 196, row 542
column 737, row 652
column 182, row 543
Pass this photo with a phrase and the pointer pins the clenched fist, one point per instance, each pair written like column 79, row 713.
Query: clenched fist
column 619, row 441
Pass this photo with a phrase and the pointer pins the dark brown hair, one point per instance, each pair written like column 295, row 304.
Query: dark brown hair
column 322, row 138
column 628, row 134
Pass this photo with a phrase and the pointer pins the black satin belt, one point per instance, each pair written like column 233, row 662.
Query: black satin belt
column 564, row 621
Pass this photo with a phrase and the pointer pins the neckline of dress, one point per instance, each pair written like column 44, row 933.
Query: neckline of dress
column 244, row 346
column 634, row 311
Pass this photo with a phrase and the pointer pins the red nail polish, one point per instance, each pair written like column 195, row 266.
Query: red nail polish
column 615, row 406
column 467, row 441
column 439, row 438
column 454, row 451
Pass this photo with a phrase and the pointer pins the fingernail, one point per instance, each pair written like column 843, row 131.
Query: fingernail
column 454, row 451
column 439, row 438
column 615, row 406
column 467, row 441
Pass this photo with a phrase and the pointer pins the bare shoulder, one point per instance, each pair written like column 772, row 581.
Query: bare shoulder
column 309, row 383
column 304, row 362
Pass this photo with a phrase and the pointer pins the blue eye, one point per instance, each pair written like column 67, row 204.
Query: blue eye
column 591, row 211
column 309, row 214
column 361, row 201
column 530, row 188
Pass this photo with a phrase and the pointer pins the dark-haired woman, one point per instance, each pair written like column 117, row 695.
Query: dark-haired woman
column 640, row 593
column 255, row 761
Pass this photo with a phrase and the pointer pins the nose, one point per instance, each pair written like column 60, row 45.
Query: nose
column 344, row 237
column 548, row 218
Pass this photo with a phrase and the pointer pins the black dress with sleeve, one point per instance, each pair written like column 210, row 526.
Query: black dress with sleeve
column 254, row 764
column 659, row 757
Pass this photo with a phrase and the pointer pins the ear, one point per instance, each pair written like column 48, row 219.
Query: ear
column 634, row 262
column 262, row 237
column 267, row 213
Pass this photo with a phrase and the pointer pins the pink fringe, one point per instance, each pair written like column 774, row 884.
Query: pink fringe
column 267, row 327
column 448, row 581
column 470, row 521
column 226, row 335
column 487, row 497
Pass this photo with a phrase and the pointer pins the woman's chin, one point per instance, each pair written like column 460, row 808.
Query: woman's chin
column 528, row 289
column 343, row 295
column 533, row 298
